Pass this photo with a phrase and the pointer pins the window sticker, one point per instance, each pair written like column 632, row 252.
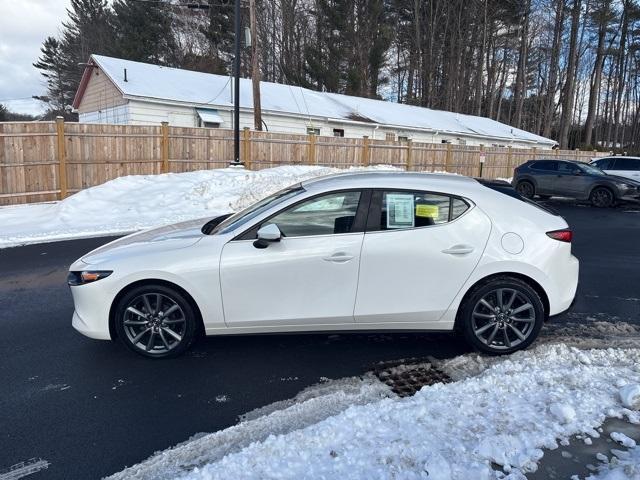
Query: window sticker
column 400, row 210
column 427, row 211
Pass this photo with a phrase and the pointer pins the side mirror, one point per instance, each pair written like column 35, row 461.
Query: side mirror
column 577, row 172
column 267, row 234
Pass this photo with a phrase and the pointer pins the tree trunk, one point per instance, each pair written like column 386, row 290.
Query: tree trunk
column 569, row 88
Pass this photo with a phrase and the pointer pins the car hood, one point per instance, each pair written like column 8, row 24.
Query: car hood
column 618, row 178
column 169, row 237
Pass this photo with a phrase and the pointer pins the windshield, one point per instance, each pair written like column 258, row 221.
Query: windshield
column 242, row 217
column 592, row 169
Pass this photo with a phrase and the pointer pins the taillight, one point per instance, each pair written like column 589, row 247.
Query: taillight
column 561, row 235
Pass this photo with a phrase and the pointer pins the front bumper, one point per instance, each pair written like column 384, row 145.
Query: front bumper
column 87, row 330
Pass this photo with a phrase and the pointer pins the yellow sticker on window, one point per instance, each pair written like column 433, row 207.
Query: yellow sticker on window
column 427, row 211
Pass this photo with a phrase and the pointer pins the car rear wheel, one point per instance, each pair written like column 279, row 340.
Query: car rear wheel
column 155, row 321
column 502, row 316
column 602, row 197
column 525, row 189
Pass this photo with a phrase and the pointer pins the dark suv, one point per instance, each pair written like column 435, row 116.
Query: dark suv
column 578, row 180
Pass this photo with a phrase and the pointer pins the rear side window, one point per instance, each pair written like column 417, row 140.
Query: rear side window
column 546, row 165
column 406, row 209
column 626, row 164
column 567, row 168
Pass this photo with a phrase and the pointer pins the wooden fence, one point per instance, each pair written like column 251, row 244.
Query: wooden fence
column 41, row 161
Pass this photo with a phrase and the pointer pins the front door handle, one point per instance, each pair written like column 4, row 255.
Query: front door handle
column 340, row 257
column 458, row 250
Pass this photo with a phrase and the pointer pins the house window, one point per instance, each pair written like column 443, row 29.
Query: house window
column 403, row 138
column 338, row 132
column 390, row 137
column 313, row 131
column 210, row 125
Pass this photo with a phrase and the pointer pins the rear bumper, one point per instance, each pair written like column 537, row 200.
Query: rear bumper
column 564, row 276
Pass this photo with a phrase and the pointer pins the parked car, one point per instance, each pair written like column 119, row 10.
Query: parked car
column 582, row 181
column 628, row 167
column 359, row 251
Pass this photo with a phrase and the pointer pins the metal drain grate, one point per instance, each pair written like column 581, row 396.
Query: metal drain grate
column 405, row 379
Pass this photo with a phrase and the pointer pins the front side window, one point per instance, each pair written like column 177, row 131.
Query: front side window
column 546, row 165
column 401, row 209
column 241, row 218
column 604, row 163
column 566, row 168
column 329, row 214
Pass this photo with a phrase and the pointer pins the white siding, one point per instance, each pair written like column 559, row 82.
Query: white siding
column 115, row 115
column 139, row 112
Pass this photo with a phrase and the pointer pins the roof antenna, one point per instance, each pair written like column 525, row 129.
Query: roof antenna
column 125, row 75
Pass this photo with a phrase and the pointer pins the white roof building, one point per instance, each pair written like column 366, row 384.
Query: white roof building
column 119, row 91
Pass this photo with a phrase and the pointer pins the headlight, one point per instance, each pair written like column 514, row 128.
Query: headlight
column 625, row 186
column 87, row 276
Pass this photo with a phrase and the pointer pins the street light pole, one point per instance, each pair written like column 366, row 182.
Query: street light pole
column 236, row 90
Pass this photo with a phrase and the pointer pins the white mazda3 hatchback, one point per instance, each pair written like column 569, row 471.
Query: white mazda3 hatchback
column 357, row 251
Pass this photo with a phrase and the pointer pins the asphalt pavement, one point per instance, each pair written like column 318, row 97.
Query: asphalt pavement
column 90, row 408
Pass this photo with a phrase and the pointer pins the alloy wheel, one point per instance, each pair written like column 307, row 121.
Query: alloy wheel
column 601, row 197
column 503, row 318
column 154, row 323
column 525, row 189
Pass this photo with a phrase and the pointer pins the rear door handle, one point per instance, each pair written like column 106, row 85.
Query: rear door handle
column 458, row 250
column 340, row 257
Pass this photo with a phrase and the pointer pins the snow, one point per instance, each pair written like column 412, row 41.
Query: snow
column 623, row 440
column 623, row 466
column 196, row 88
column 137, row 202
column 630, row 396
column 310, row 406
column 493, row 422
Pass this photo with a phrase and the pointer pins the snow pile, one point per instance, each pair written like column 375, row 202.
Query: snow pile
column 308, row 407
column 135, row 202
column 503, row 416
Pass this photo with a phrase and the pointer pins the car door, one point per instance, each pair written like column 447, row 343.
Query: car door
column 418, row 251
column 544, row 173
column 571, row 181
column 309, row 277
column 626, row 167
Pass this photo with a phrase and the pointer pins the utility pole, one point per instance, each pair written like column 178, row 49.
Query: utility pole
column 255, row 67
column 236, row 89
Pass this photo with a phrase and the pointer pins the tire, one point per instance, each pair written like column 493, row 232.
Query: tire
column 156, row 321
column 494, row 332
column 526, row 189
column 602, row 197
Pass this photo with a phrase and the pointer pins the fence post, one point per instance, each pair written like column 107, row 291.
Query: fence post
column 365, row 151
column 62, row 158
column 534, row 152
column 482, row 159
column 164, row 128
column 577, row 154
column 447, row 160
column 409, row 158
column 509, row 156
column 312, row 149
column 246, row 139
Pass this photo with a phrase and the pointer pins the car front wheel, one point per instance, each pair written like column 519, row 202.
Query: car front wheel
column 602, row 197
column 155, row 321
column 502, row 316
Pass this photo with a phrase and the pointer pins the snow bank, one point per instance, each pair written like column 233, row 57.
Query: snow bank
column 308, row 407
column 135, row 202
column 504, row 415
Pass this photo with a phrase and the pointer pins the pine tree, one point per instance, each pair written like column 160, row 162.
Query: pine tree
column 143, row 31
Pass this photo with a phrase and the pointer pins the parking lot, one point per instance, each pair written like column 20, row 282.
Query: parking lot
column 91, row 408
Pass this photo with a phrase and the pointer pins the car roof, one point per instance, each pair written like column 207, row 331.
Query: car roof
column 390, row 179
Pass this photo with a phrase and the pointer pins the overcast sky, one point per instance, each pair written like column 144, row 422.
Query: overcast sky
column 24, row 24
